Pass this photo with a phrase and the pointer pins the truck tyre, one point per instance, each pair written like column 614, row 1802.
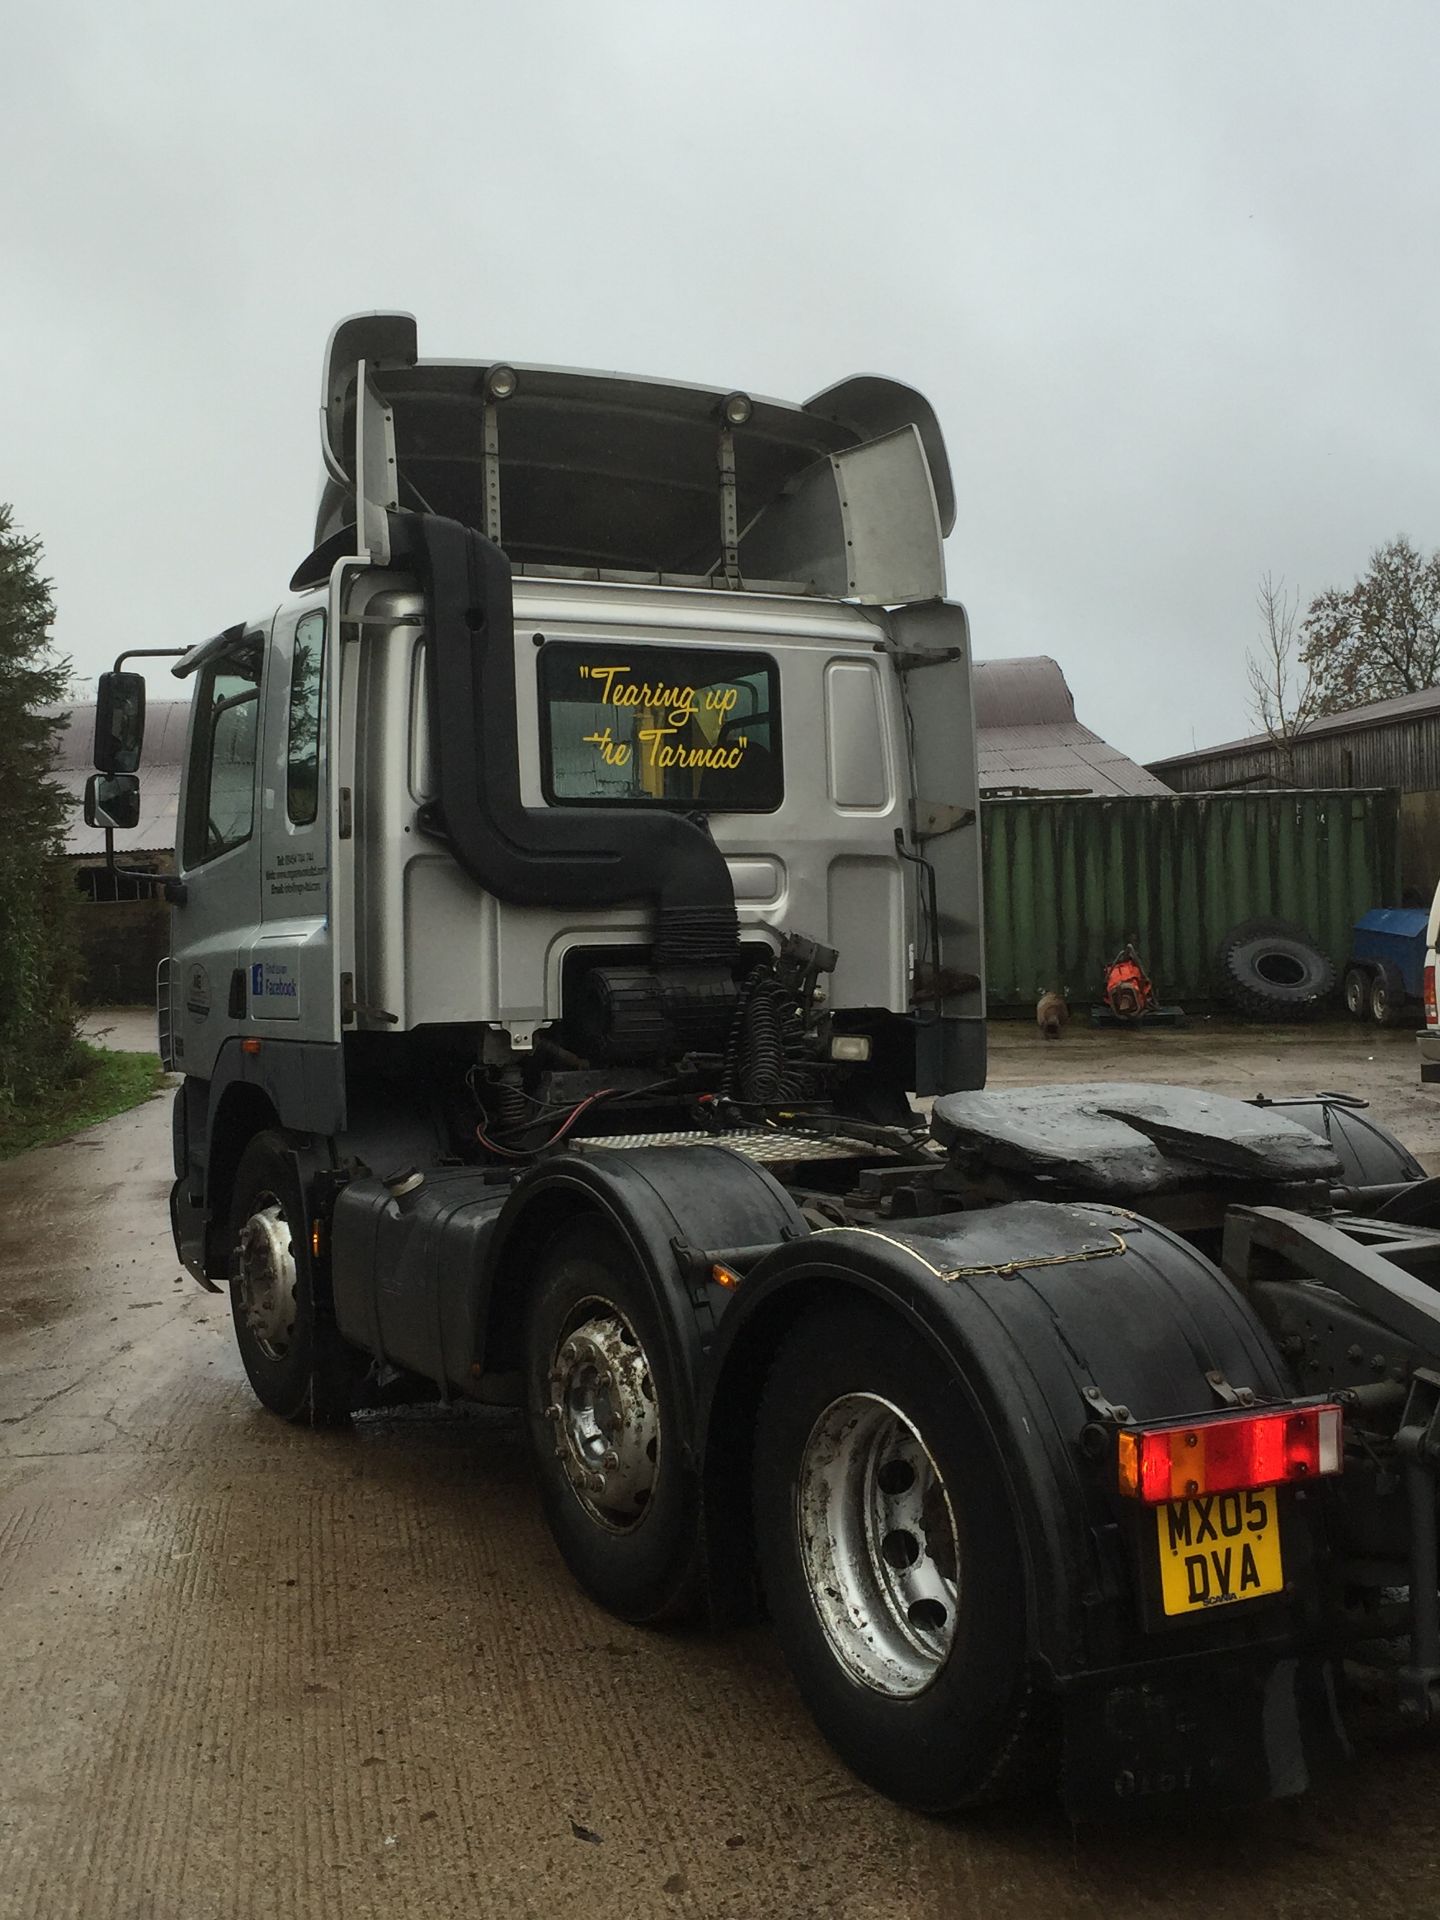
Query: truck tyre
column 1387, row 996
column 1357, row 993
column 1271, row 970
column 891, row 1563
column 297, row 1362
column 606, row 1430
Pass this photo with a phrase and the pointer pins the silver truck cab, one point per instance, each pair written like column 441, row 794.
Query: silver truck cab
column 729, row 675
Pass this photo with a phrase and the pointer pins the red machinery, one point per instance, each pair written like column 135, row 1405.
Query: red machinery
column 1129, row 993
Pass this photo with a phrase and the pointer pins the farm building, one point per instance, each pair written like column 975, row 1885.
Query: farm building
column 1029, row 741
column 1391, row 743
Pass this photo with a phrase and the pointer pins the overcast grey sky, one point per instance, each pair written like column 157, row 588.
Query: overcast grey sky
column 1168, row 274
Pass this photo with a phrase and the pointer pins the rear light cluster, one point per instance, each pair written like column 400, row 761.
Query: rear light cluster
column 1230, row 1453
column 1432, row 1018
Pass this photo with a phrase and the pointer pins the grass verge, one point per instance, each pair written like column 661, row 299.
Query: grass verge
column 99, row 1085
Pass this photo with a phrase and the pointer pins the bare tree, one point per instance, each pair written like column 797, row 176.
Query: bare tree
column 1284, row 698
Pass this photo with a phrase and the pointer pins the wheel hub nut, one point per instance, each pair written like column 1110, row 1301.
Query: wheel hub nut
column 607, row 1428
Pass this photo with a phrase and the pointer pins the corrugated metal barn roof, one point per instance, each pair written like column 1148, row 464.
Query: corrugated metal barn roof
column 1027, row 735
column 1379, row 713
column 165, row 722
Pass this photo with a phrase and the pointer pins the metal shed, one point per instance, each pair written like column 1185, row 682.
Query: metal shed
column 1390, row 743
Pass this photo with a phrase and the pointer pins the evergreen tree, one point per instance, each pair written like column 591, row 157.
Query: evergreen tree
column 37, row 945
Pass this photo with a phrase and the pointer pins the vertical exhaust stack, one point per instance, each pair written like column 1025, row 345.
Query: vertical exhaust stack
column 538, row 856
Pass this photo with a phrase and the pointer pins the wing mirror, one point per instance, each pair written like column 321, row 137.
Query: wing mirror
column 112, row 800
column 119, row 724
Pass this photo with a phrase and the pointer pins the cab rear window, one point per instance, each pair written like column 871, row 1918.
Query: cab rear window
column 660, row 726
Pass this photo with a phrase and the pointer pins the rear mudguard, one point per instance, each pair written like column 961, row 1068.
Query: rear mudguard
column 1060, row 1321
column 666, row 1205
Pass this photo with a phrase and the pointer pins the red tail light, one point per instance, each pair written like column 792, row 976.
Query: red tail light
column 1230, row 1453
column 1432, row 1018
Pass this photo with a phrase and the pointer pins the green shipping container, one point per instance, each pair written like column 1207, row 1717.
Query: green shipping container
column 1068, row 882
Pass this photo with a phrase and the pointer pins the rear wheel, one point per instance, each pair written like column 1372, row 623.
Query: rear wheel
column 1357, row 993
column 296, row 1361
column 1387, row 997
column 606, row 1429
column 892, row 1565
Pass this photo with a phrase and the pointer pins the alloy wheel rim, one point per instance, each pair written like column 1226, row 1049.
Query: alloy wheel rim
column 879, row 1545
column 602, row 1407
column 267, row 1279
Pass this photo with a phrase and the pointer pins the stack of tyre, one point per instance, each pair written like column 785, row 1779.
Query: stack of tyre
column 1273, row 970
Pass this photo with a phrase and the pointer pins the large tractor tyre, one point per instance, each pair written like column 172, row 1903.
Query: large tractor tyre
column 1357, row 993
column 892, row 1566
column 1271, row 970
column 606, row 1430
column 297, row 1362
column 1387, row 996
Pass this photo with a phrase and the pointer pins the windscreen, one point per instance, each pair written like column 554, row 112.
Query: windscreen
column 627, row 725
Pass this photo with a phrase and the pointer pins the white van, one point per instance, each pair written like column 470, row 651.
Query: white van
column 1428, row 1038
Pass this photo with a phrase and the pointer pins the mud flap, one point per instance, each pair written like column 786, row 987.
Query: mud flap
column 1213, row 1734
column 187, row 1228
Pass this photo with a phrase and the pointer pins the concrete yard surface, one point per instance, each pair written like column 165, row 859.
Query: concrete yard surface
column 123, row 1029
column 256, row 1673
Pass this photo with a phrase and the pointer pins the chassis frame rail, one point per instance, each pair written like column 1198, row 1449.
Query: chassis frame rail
column 1391, row 1270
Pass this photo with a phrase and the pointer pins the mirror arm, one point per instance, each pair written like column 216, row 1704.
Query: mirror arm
column 170, row 889
column 147, row 653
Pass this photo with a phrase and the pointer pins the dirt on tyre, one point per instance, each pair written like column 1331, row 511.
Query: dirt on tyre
column 891, row 1564
column 606, row 1426
column 297, row 1363
column 1273, row 970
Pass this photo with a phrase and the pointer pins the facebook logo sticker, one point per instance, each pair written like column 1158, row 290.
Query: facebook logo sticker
column 257, row 977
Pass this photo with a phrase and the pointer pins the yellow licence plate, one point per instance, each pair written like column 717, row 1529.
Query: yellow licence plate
column 1218, row 1549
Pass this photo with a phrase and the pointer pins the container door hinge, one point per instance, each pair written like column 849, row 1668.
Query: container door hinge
column 344, row 826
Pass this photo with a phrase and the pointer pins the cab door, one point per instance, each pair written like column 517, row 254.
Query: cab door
column 291, row 964
column 218, row 850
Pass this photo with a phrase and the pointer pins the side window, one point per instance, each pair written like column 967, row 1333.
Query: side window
column 220, row 813
column 302, row 766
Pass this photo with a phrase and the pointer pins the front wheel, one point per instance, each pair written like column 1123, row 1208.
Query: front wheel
column 605, row 1419
column 296, row 1360
column 891, row 1563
